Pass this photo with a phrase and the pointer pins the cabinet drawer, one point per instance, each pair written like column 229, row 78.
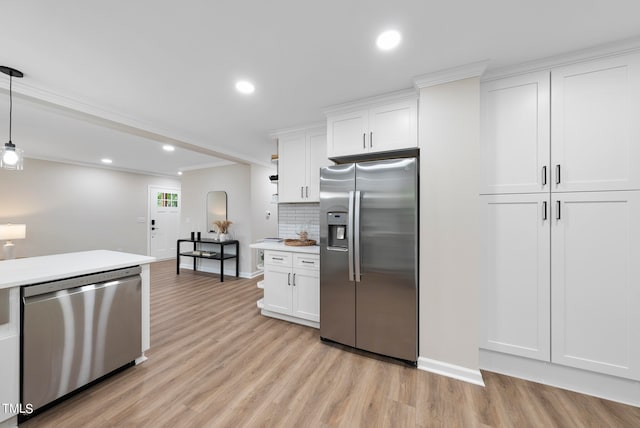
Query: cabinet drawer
column 306, row 261
column 277, row 258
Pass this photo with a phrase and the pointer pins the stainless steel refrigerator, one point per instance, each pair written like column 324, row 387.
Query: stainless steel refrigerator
column 369, row 256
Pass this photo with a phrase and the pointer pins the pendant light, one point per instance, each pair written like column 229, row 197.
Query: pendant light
column 10, row 156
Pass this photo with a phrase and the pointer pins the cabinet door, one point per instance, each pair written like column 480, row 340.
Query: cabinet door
column 393, row 126
column 317, row 158
column 277, row 289
column 516, row 277
column 9, row 350
column 347, row 133
column 306, row 294
column 292, row 168
column 515, row 134
column 596, row 282
column 595, row 124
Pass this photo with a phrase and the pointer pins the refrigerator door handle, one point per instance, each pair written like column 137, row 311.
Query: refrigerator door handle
column 356, row 236
column 350, row 236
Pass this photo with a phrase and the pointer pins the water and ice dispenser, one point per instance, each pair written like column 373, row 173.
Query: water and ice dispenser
column 337, row 223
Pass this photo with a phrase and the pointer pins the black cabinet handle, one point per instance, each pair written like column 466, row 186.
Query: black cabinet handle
column 544, row 210
column 364, row 143
column 557, row 174
column 544, row 175
column 294, row 279
column 558, row 216
column 289, row 279
column 371, row 139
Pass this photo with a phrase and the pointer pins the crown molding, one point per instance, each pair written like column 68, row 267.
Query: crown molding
column 448, row 75
column 620, row 47
column 390, row 97
column 310, row 127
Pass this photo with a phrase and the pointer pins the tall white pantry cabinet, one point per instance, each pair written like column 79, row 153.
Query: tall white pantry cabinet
column 560, row 195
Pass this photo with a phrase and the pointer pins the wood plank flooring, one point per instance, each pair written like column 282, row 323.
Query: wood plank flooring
column 216, row 362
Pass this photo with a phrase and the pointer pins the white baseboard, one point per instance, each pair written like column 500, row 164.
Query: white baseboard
column 450, row 370
column 289, row 318
column 600, row 385
column 141, row 359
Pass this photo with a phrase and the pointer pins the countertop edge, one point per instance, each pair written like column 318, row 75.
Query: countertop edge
column 280, row 246
column 34, row 270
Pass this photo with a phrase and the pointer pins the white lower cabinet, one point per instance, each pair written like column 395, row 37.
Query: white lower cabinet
column 516, row 275
column 9, row 352
column 596, row 282
column 292, row 285
column 565, row 289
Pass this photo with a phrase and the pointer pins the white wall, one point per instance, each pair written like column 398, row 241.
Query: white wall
column 449, row 223
column 248, row 196
column 261, row 190
column 71, row 208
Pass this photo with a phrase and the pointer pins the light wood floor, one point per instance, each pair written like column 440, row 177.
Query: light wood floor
column 215, row 361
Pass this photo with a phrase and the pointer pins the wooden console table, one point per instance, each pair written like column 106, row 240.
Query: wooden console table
column 197, row 253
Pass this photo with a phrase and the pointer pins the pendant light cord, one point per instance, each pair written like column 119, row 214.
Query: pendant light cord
column 10, row 103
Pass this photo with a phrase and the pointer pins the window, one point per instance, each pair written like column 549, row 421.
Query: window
column 167, row 199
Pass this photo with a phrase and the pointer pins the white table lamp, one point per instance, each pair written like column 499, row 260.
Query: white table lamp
column 9, row 232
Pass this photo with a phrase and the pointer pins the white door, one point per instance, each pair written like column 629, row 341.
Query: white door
column 393, row 126
column 515, row 134
column 292, row 168
column 164, row 221
column 595, row 123
column 516, row 277
column 596, row 281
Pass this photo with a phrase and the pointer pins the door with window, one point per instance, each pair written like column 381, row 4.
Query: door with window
column 164, row 221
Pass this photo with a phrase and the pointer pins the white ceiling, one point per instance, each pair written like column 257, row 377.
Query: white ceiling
column 119, row 78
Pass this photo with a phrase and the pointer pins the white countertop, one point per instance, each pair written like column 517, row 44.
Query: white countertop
column 32, row 270
column 279, row 246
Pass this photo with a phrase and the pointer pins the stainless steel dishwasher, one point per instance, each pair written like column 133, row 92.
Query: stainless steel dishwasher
column 77, row 330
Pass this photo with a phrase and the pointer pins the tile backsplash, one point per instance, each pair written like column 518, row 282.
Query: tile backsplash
column 292, row 218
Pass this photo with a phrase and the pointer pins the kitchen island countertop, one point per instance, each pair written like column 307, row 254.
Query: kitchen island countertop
column 33, row 270
column 280, row 246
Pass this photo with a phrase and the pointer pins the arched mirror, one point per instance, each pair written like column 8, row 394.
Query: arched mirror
column 216, row 208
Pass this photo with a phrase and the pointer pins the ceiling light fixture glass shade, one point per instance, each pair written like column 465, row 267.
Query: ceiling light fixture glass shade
column 10, row 155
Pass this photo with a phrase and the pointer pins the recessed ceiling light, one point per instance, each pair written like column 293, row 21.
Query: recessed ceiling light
column 388, row 40
column 245, row 87
column 179, row 172
column 106, row 160
column 168, row 148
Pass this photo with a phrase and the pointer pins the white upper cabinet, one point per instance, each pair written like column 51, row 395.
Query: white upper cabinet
column 515, row 134
column 393, row 126
column 383, row 125
column 316, row 145
column 595, row 123
column 300, row 157
column 347, row 133
column 516, row 275
column 596, row 281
